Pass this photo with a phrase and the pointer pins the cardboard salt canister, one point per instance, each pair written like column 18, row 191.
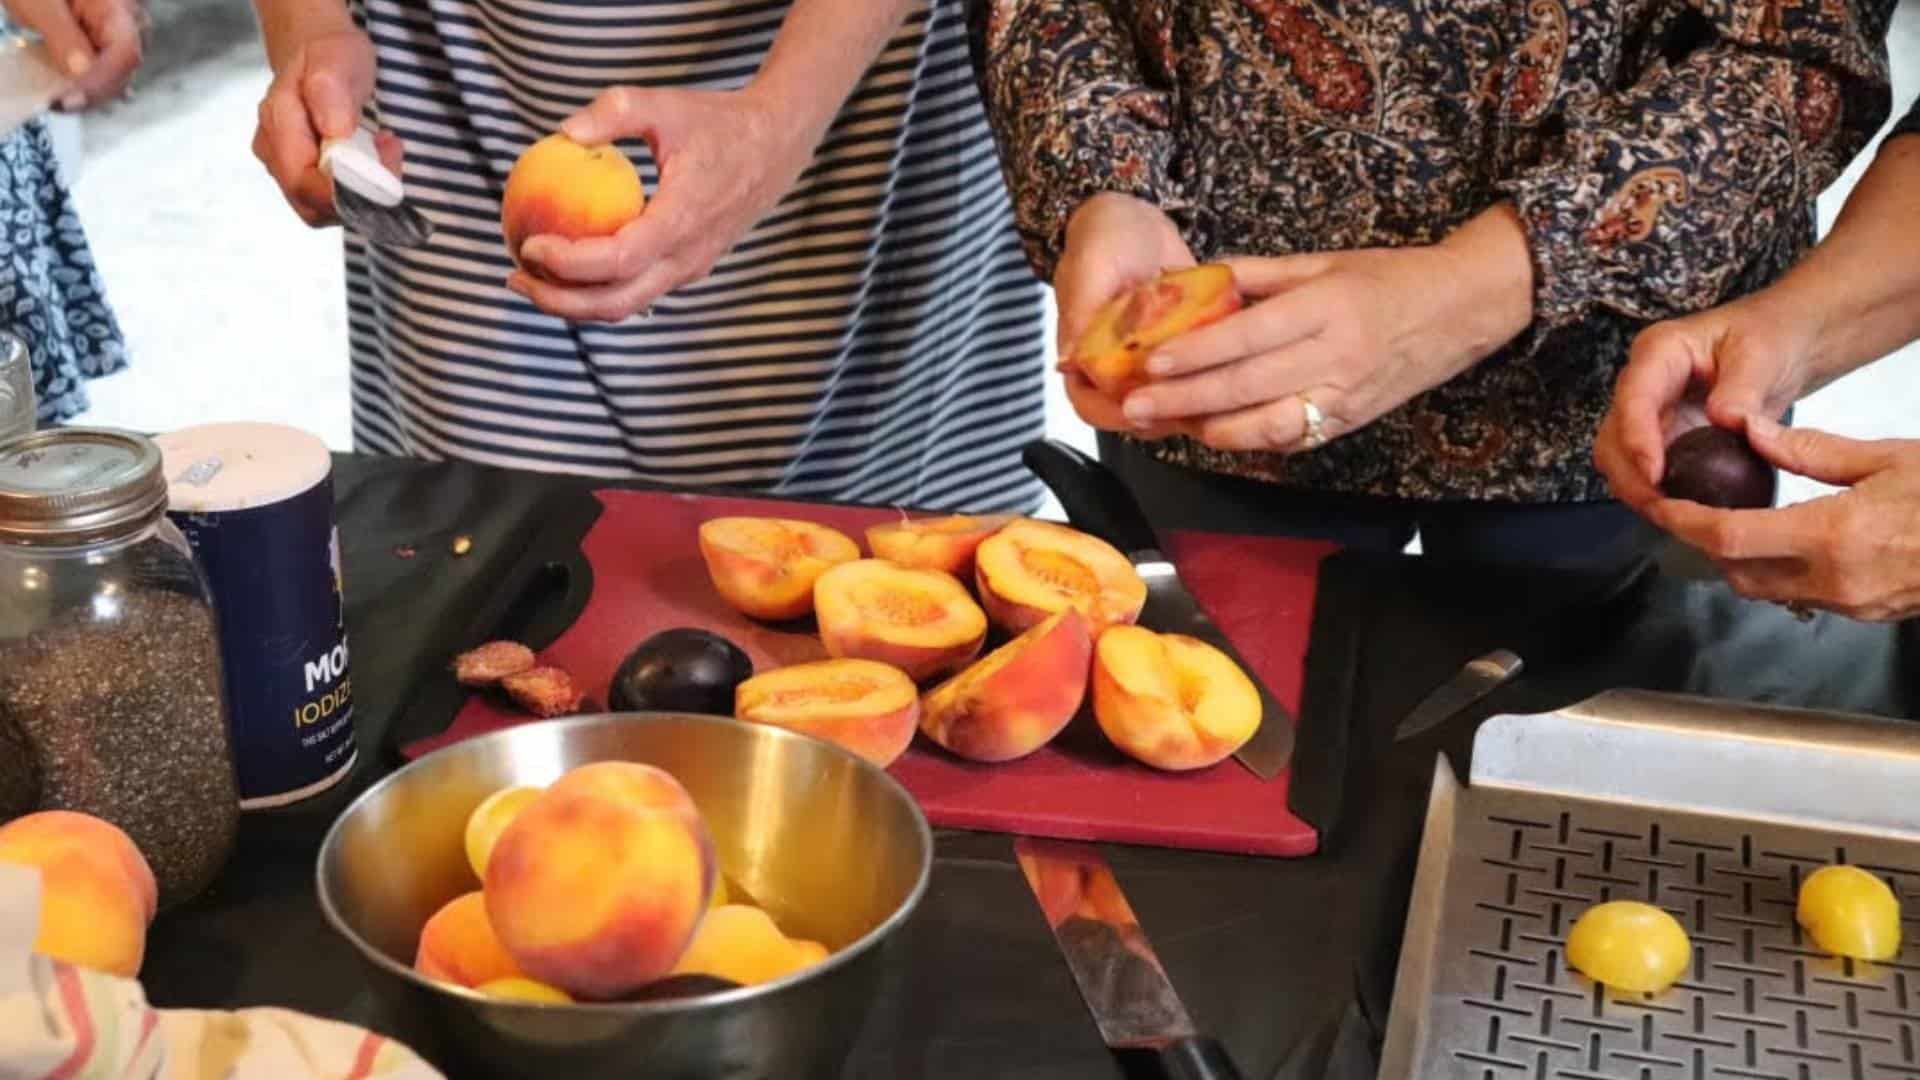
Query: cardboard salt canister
column 255, row 501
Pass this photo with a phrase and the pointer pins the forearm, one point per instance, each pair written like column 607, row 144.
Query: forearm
column 285, row 24
column 823, row 49
column 1862, row 283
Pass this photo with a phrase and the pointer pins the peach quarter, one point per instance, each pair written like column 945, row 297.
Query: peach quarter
column 1113, row 350
column 766, row 567
column 97, row 893
column 920, row 621
column 1171, row 701
column 864, row 706
column 597, row 886
column 561, row 188
column 1016, row 699
column 945, row 543
column 1032, row 569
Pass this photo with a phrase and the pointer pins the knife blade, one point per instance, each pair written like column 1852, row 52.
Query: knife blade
column 1098, row 503
column 1120, row 978
column 1476, row 679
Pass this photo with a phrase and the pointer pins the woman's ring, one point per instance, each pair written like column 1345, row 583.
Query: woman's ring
column 1316, row 436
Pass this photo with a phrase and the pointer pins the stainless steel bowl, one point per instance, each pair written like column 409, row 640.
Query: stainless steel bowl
column 826, row 843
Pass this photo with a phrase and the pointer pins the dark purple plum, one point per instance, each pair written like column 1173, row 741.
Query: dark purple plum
column 1716, row 467
column 682, row 670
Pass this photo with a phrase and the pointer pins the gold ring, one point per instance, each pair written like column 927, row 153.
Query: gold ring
column 1316, row 436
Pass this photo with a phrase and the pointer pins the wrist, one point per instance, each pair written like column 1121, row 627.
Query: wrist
column 286, row 26
column 1483, row 281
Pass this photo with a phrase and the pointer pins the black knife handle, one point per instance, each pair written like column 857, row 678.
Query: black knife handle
column 1095, row 499
column 1197, row 1057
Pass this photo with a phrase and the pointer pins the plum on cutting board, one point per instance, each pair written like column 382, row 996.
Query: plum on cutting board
column 1717, row 467
column 682, row 670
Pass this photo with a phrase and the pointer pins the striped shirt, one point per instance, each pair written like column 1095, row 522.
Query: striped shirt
column 877, row 338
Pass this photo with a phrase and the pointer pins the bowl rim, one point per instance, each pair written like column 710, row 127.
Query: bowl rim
column 837, row 959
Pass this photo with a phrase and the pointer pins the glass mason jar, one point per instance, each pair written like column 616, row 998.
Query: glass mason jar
column 17, row 403
column 111, row 696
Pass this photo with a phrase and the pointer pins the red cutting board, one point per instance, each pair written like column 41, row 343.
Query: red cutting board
column 648, row 576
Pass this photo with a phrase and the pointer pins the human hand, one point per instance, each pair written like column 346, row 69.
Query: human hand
column 98, row 42
column 1856, row 552
column 317, row 94
column 1354, row 333
column 1113, row 243
column 726, row 158
column 1723, row 366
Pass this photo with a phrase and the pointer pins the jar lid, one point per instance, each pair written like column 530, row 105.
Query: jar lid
column 74, row 484
column 219, row 467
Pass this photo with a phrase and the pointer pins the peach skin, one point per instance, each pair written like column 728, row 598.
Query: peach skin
column 1016, row 699
column 458, row 945
column 1113, row 351
column 98, row 895
column 597, row 885
column 562, row 188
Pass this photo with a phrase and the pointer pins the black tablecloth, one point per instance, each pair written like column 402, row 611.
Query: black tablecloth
column 1289, row 962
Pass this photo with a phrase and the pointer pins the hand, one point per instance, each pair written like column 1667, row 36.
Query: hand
column 725, row 157
column 1856, row 553
column 317, row 94
column 1726, row 365
column 1113, row 243
column 96, row 41
column 1357, row 333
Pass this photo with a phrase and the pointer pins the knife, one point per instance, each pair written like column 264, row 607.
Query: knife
column 1098, row 503
column 1125, row 988
column 30, row 81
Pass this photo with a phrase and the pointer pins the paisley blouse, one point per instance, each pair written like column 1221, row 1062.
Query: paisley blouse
column 1664, row 155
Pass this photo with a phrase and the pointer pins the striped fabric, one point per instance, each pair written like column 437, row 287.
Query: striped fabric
column 876, row 339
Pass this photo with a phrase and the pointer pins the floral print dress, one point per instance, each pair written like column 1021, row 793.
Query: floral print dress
column 1663, row 155
column 50, row 292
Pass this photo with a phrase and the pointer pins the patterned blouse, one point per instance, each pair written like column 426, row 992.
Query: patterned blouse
column 1663, row 155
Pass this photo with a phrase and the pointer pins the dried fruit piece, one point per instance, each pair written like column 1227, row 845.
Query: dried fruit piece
column 544, row 691
column 492, row 662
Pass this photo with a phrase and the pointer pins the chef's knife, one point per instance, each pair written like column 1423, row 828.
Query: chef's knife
column 1127, row 991
column 1097, row 502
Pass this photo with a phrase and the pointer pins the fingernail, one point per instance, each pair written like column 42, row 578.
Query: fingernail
column 1159, row 364
column 78, row 63
column 73, row 99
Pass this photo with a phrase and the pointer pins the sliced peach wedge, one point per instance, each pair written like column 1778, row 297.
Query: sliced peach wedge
column 920, row 621
column 1113, row 350
column 766, row 567
column 1016, row 699
column 862, row 705
column 1032, row 569
column 938, row 543
column 1171, row 701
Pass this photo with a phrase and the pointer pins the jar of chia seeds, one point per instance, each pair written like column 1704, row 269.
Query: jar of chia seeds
column 112, row 700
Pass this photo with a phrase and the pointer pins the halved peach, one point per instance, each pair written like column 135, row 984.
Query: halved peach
column 597, row 886
column 742, row 944
column 920, row 621
column 938, row 543
column 1171, row 701
column 1018, row 698
column 1032, row 569
column 490, row 819
column 865, row 706
column 1114, row 348
column 766, row 567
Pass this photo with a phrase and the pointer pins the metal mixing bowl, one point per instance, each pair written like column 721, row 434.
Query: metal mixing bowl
column 826, row 843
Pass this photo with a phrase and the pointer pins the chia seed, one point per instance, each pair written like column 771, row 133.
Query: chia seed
column 126, row 715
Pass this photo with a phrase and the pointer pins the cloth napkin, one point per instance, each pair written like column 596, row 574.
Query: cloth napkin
column 61, row 1022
